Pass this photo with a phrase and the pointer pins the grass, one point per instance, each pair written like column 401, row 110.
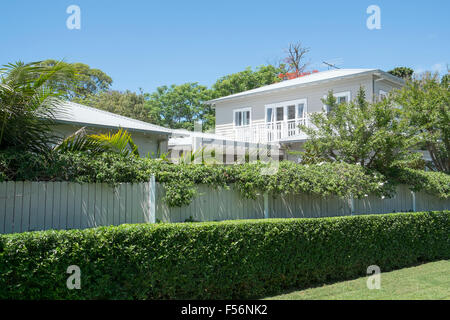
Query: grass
column 423, row 282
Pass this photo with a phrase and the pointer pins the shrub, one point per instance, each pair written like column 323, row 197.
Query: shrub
column 216, row 260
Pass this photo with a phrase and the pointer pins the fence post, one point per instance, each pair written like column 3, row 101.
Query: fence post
column 266, row 205
column 152, row 200
column 413, row 201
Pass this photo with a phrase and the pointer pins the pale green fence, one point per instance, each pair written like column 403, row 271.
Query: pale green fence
column 29, row 206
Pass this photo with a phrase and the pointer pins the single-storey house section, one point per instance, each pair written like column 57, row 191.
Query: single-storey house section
column 150, row 139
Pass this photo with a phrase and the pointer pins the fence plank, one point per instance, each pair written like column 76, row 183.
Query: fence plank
column 18, row 208
column 34, row 206
column 2, row 206
column 26, row 206
column 70, row 205
column 109, row 205
column 9, row 209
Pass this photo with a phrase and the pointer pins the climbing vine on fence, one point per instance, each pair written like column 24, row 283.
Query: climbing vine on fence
column 180, row 180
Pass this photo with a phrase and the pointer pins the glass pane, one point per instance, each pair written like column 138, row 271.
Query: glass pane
column 238, row 118
column 342, row 100
column 291, row 112
column 246, row 121
column 269, row 115
column 300, row 110
column 280, row 114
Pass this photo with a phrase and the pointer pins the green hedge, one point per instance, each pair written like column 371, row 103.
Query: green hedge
column 220, row 260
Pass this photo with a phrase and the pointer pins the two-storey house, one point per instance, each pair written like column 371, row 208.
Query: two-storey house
column 273, row 113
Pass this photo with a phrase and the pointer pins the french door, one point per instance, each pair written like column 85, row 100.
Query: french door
column 283, row 119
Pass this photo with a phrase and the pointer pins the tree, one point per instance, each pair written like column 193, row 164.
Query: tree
column 179, row 106
column 119, row 142
column 88, row 81
column 128, row 104
column 359, row 132
column 402, row 72
column 426, row 111
column 246, row 80
column 27, row 103
column 296, row 54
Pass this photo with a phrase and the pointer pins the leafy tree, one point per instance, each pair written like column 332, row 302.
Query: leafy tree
column 128, row 104
column 359, row 132
column 402, row 72
column 87, row 81
column 179, row 106
column 27, row 103
column 246, row 80
column 426, row 110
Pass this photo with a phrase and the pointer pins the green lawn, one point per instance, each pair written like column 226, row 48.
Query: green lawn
column 426, row 281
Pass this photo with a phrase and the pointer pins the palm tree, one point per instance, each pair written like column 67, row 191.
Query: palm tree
column 119, row 142
column 27, row 103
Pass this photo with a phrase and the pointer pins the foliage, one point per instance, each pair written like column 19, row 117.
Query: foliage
column 426, row 113
column 436, row 183
column 119, row 142
column 246, row 80
column 216, row 260
column 128, row 104
column 402, row 72
column 180, row 106
column 359, row 132
column 87, row 81
column 27, row 104
column 180, row 180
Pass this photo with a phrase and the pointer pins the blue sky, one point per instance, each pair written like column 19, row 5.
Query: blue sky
column 146, row 44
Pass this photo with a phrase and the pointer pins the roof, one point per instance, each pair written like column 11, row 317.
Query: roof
column 314, row 78
column 74, row 113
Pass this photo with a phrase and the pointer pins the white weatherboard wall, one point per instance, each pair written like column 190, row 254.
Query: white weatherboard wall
column 31, row 206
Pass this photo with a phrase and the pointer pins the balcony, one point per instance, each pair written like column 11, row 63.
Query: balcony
column 280, row 131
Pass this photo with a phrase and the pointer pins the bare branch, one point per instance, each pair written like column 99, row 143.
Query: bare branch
column 295, row 57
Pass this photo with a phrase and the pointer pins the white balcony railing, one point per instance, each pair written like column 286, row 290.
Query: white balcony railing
column 271, row 131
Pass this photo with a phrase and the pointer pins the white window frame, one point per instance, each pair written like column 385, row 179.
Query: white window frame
column 382, row 93
column 242, row 110
column 337, row 95
column 285, row 105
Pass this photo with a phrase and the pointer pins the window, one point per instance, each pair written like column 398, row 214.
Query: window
column 341, row 97
column 286, row 111
column 301, row 110
column 383, row 95
column 280, row 114
column 269, row 115
column 291, row 112
column 242, row 117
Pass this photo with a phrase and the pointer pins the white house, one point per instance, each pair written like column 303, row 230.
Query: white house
column 150, row 138
column 272, row 113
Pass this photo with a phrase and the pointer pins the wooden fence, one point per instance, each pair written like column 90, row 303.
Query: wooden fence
column 29, row 206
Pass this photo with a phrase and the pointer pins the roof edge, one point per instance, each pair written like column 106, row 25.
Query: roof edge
column 233, row 97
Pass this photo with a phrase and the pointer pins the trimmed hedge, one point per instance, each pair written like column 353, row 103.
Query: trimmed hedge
column 216, row 260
